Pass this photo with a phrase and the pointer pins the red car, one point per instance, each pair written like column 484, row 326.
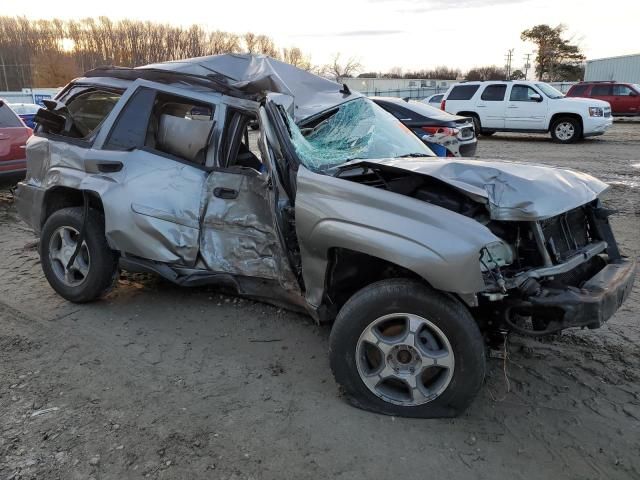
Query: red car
column 13, row 138
column 623, row 97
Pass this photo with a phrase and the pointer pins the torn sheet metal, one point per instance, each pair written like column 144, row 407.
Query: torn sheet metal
column 514, row 191
column 238, row 234
column 261, row 74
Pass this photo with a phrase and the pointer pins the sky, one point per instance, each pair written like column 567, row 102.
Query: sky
column 383, row 34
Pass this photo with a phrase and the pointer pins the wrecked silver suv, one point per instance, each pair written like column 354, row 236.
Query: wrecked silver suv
column 332, row 206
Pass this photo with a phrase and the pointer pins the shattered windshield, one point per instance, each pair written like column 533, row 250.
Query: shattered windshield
column 358, row 129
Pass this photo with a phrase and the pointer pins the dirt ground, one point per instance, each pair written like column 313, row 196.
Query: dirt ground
column 168, row 383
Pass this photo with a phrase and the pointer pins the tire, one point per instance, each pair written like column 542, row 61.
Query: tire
column 476, row 124
column 566, row 130
column 452, row 389
column 95, row 269
column 478, row 127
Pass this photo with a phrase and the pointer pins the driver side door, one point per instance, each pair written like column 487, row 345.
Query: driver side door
column 526, row 108
column 240, row 235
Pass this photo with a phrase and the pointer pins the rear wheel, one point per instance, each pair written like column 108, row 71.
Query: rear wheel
column 400, row 348
column 93, row 272
column 566, row 130
column 476, row 124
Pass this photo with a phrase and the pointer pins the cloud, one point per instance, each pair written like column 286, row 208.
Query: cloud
column 354, row 33
column 420, row 6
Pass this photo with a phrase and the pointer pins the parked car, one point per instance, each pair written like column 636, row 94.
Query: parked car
column 529, row 107
column 624, row 98
column 13, row 137
column 26, row 111
column 337, row 210
column 434, row 100
column 445, row 134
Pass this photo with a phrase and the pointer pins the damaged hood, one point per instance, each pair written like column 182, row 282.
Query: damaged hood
column 513, row 191
column 260, row 74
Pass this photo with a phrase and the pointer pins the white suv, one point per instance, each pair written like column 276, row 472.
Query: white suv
column 528, row 107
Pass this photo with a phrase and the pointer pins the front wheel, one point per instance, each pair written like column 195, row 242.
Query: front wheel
column 401, row 348
column 93, row 272
column 566, row 130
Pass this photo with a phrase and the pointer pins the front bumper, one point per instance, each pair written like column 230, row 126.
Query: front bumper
column 593, row 304
column 593, row 126
column 29, row 201
column 468, row 148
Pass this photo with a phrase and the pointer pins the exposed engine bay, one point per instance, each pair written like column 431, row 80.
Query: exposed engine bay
column 548, row 264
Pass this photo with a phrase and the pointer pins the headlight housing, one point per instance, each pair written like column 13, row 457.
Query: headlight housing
column 494, row 255
column 596, row 112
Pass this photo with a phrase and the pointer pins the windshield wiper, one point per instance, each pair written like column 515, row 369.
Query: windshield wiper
column 414, row 155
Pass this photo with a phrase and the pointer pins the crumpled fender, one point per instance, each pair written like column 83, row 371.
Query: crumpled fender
column 439, row 245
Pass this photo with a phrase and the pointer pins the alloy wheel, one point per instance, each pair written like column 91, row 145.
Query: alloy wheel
column 405, row 359
column 62, row 245
column 565, row 131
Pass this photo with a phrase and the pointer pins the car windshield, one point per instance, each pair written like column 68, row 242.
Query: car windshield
column 549, row 91
column 636, row 86
column 358, row 129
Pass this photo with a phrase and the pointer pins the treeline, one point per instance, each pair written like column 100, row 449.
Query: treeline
column 490, row 72
column 49, row 53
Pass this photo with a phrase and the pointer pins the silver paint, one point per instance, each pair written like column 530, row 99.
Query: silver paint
column 439, row 245
column 513, row 191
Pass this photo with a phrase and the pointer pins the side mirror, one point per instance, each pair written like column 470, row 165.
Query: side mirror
column 536, row 97
column 633, row 94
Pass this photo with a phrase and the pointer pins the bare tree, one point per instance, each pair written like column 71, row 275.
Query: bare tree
column 52, row 52
column 295, row 57
column 337, row 69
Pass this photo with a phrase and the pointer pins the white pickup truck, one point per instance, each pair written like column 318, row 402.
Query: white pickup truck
column 527, row 107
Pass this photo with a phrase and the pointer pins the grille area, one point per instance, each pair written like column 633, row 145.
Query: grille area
column 567, row 233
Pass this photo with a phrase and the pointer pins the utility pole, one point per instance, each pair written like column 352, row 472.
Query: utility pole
column 527, row 64
column 509, row 57
column 4, row 72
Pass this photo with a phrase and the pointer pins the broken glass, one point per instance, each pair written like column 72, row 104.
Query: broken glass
column 358, row 129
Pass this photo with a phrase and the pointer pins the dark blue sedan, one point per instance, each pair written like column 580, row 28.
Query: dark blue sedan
column 26, row 111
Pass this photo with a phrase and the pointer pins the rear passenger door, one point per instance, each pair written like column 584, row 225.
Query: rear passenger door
column 526, row 109
column 155, row 155
column 603, row 92
column 491, row 106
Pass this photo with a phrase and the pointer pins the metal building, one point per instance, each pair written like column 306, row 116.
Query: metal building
column 625, row 68
column 397, row 87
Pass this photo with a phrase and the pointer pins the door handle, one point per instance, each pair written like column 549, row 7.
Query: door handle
column 226, row 193
column 512, row 106
column 102, row 166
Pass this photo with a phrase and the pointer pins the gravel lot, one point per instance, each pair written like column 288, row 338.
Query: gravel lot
column 168, row 383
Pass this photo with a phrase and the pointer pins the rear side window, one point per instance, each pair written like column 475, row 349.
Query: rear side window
column 165, row 124
column 83, row 110
column 601, row 90
column 494, row 93
column 8, row 118
column 89, row 109
column 463, row 92
column 579, row 90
